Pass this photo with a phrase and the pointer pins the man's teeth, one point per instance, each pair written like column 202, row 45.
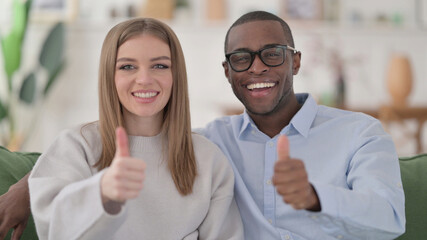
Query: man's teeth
column 145, row 95
column 260, row 85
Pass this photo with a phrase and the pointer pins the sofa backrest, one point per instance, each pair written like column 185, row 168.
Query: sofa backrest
column 414, row 180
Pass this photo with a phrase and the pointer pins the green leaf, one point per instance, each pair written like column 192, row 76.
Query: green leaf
column 3, row 112
column 52, row 77
column 28, row 89
column 53, row 49
column 11, row 48
column 12, row 43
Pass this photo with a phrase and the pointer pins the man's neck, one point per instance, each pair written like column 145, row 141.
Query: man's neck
column 272, row 124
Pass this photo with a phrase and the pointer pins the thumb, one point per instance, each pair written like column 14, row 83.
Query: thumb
column 283, row 148
column 122, row 146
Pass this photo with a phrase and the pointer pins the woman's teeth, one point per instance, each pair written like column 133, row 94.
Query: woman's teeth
column 145, row 95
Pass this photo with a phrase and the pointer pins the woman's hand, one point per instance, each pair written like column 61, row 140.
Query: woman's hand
column 123, row 180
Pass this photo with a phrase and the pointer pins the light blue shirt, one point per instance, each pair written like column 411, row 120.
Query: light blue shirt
column 350, row 160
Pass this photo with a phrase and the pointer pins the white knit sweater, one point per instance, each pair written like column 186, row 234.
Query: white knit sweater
column 66, row 199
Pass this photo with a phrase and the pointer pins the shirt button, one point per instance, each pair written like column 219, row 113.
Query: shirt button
column 287, row 237
column 270, row 221
column 339, row 237
column 271, row 144
column 269, row 182
column 313, row 217
column 399, row 185
column 253, row 132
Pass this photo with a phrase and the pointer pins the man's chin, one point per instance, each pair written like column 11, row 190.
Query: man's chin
column 259, row 111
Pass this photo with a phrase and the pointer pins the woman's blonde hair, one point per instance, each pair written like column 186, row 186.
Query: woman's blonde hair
column 176, row 117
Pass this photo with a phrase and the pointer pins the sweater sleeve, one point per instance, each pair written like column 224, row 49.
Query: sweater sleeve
column 223, row 219
column 65, row 194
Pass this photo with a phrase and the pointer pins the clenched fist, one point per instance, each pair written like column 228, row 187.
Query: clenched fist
column 291, row 180
column 123, row 180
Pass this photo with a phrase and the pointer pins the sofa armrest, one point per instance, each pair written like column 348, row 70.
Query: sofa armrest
column 13, row 167
column 414, row 180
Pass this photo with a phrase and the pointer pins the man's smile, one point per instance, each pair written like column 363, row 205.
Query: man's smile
column 255, row 86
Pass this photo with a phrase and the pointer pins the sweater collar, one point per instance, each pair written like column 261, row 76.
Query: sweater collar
column 146, row 144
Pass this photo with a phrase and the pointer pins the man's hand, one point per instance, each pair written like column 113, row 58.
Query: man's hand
column 15, row 209
column 291, row 180
column 124, row 178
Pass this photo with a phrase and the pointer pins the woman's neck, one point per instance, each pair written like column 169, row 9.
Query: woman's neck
column 143, row 126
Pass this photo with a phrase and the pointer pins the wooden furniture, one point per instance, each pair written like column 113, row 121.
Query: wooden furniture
column 388, row 114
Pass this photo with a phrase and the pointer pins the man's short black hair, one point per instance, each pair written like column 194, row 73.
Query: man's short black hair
column 261, row 16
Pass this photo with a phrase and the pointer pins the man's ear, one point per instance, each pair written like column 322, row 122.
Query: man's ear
column 296, row 63
column 226, row 70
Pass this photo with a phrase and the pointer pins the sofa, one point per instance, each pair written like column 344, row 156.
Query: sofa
column 414, row 179
column 14, row 165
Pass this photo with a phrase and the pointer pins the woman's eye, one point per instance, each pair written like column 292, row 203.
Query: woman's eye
column 127, row 67
column 161, row 66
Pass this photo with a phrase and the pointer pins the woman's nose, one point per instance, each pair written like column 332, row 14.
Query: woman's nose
column 143, row 76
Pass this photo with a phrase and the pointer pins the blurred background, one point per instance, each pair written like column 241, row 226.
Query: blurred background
column 365, row 55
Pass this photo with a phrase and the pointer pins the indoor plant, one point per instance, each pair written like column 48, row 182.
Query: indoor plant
column 26, row 92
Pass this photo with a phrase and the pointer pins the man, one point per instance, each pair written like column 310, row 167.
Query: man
column 341, row 178
column 302, row 171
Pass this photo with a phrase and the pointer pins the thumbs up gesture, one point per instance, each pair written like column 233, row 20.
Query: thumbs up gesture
column 291, row 180
column 123, row 180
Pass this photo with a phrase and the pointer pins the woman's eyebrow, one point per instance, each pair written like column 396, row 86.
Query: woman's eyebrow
column 126, row 60
column 160, row 58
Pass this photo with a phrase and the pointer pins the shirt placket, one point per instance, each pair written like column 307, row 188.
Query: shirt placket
column 269, row 191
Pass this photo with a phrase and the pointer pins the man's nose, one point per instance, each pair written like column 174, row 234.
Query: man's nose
column 257, row 66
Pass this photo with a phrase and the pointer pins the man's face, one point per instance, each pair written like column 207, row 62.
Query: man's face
column 263, row 90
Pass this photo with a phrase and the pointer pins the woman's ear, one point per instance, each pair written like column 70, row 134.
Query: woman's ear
column 296, row 63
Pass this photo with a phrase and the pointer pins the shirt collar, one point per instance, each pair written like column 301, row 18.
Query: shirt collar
column 247, row 121
column 302, row 120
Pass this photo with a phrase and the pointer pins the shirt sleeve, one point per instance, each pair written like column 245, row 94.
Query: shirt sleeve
column 65, row 195
column 223, row 219
column 373, row 205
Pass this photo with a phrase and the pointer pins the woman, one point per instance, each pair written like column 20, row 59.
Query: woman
column 161, row 182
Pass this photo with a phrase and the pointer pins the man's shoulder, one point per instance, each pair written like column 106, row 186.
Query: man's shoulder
column 336, row 113
column 221, row 124
column 347, row 123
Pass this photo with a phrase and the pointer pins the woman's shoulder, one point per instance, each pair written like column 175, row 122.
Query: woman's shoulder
column 208, row 152
column 88, row 131
column 200, row 142
column 212, row 163
column 85, row 136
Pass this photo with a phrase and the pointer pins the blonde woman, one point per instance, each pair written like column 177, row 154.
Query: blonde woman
column 160, row 181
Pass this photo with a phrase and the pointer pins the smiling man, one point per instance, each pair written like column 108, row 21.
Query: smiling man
column 303, row 171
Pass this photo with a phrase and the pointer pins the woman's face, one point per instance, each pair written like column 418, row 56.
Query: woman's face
column 143, row 77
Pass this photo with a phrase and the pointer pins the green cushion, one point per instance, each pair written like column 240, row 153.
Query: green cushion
column 14, row 166
column 414, row 180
